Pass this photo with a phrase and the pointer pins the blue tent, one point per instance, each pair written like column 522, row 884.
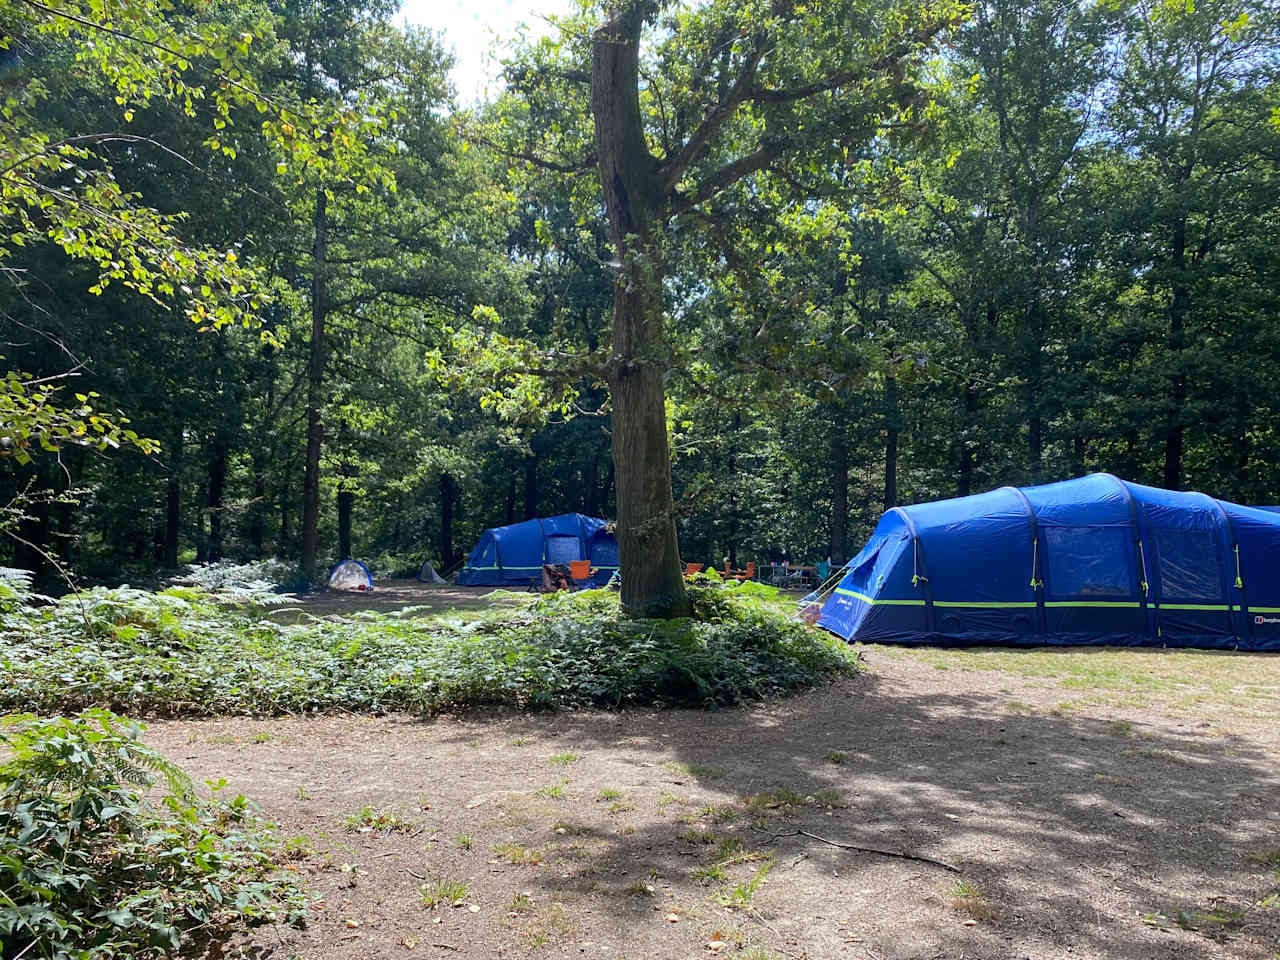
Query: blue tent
column 514, row 555
column 1090, row 561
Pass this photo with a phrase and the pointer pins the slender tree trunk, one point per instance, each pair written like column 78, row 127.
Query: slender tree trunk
column 591, row 487
column 969, row 405
column 531, row 487
column 733, row 489
column 284, row 517
column 217, row 491
column 839, row 541
column 257, row 517
column 1035, row 422
column 892, row 427
column 448, row 494
column 511, row 501
column 346, row 504
column 315, row 386
column 1174, row 435
column 173, row 502
column 652, row 580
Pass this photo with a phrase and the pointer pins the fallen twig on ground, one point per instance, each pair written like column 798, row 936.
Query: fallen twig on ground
column 872, row 850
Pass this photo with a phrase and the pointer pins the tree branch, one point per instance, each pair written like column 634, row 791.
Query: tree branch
column 715, row 119
column 556, row 166
column 846, row 77
column 728, row 175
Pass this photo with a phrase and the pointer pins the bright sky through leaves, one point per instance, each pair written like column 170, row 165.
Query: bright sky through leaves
column 471, row 27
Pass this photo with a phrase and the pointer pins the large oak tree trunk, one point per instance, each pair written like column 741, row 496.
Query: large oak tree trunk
column 315, row 388
column 652, row 580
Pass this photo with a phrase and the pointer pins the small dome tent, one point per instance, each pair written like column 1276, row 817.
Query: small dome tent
column 350, row 575
column 513, row 555
column 427, row 574
column 1095, row 560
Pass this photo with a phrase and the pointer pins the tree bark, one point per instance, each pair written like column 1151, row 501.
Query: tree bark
column 315, row 387
column 448, row 494
column 217, row 490
column 257, row 517
column 346, row 503
column 652, row 580
column 733, row 489
column 173, row 503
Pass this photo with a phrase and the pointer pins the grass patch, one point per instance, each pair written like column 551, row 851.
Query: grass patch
column 554, row 791
column 563, row 759
column 699, row 770
column 1266, row 858
column 968, row 899
column 371, row 820
column 518, row 853
column 609, row 793
column 180, row 652
column 786, row 798
column 442, row 893
column 1186, row 682
column 464, row 841
column 742, row 895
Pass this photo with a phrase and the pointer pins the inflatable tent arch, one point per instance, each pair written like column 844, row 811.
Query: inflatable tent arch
column 513, row 555
column 1095, row 560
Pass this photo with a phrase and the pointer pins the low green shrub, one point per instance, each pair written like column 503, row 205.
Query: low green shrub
column 90, row 868
column 179, row 653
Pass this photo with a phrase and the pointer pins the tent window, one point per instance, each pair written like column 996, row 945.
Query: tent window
column 864, row 563
column 1188, row 565
column 1088, row 562
column 563, row 549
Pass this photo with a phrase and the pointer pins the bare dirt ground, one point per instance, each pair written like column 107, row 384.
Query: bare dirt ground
column 1118, row 804
column 387, row 595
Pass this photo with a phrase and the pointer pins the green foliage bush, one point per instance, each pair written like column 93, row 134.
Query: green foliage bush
column 180, row 653
column 89, row 868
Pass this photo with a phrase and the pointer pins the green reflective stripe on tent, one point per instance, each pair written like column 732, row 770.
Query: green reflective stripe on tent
column 1193, row 606
column 1253, row 609
column 1002, row 604
column 880, row 603
column 1092, row 603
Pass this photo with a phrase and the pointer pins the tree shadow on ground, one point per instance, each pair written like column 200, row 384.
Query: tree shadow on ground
column 1079, row 835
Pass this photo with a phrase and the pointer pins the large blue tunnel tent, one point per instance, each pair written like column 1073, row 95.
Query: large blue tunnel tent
column 1090, row 561
column 514, row 555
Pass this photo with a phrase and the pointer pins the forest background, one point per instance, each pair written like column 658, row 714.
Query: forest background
column 344, row 314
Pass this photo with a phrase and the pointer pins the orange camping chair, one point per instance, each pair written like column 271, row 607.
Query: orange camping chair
column 580, row 572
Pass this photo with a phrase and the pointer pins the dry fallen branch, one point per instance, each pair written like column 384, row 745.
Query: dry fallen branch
column 873, row 850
